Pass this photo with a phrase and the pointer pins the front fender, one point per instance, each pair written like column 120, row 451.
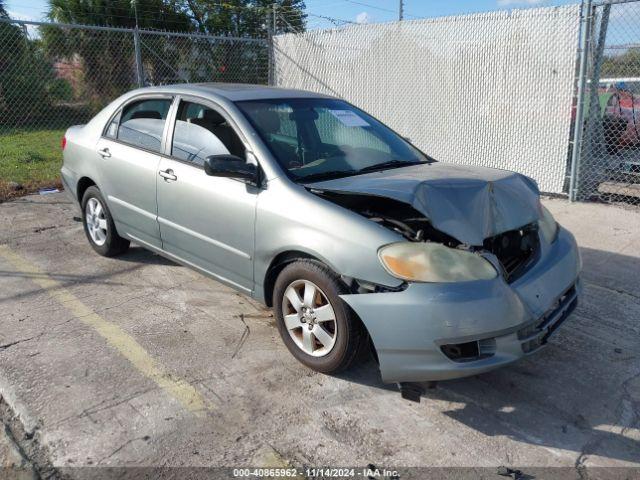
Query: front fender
column 289, row 218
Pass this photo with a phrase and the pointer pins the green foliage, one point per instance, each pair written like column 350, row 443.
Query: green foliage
column 625, row 65
column 152, row 14
column 60, row 90
column 246, row 18
column 24, row 73
column 108, row 58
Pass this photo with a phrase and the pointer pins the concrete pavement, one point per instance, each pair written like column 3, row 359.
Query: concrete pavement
column 136, row 361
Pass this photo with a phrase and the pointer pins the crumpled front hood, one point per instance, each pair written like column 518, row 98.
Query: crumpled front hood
column 468, row 203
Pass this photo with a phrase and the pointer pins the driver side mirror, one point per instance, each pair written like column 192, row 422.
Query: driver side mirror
column 230, row 166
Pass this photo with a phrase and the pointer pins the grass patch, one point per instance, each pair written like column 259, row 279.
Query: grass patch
column 30, row 156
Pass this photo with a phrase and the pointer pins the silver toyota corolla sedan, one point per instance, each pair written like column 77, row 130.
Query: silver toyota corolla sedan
column 353, row 235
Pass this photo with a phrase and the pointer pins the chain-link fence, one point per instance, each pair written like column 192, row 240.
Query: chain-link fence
column 53, row 76
column 491, row 89
column 606, row 162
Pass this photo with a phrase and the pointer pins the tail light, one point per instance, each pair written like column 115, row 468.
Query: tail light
column 63, row 142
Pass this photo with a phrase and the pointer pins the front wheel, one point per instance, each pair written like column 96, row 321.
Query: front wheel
column 317, row 327
column 98, row 225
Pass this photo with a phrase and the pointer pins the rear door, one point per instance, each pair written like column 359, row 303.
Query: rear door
column 206, row 221
column 130, row 149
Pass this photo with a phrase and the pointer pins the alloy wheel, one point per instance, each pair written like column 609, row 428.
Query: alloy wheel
column 96, row 221
column 309, row 318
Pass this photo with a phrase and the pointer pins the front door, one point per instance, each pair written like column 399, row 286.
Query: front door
column 130, row 151
column 206, row 221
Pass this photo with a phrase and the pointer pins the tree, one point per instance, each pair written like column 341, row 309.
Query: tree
column 107, row 58
column 23, row 76
column 151, row 14
column 624, row 65
column 246, row 18
column 234, row 61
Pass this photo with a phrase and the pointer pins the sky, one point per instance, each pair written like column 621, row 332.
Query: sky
column 374, row 11
column 361, row 11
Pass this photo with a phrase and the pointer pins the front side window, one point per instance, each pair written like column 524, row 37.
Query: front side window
column 201, row 131
column 318, row 138
column 142, row 123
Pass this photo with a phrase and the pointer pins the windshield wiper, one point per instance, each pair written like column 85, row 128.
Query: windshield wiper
column 389, row 164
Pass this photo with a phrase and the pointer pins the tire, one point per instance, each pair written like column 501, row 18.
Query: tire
column 334, row 344
column 98, row 225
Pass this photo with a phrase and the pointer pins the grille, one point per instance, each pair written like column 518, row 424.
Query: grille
column 516, row 250
column 536, row 334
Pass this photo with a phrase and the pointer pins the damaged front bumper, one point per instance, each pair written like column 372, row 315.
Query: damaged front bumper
column 442, row 331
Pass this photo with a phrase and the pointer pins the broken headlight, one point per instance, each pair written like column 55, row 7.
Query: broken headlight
column 432, row 262
column 548, row 225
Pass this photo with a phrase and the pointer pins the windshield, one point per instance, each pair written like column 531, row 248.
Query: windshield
column 321, row 138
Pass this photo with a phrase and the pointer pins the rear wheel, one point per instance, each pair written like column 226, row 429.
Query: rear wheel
column 98, row 225
column 317, row 327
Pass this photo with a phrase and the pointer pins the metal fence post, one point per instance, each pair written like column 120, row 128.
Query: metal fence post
column 594, row 151
column 585, row 44
column 139, row 68
column 271, row 30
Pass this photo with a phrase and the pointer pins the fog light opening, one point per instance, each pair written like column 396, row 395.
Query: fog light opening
column 470, row 351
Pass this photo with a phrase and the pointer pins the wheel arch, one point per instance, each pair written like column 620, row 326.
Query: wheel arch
column 83, row 184
column 278, row 263
column 281, row 260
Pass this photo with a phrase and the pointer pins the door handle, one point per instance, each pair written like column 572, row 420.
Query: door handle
column 104, row 153
column 168, row 175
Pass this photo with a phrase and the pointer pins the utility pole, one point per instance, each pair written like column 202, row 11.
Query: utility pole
column 400, row 10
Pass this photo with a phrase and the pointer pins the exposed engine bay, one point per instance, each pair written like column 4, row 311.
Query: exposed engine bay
column 392, row 214
column 515, row 249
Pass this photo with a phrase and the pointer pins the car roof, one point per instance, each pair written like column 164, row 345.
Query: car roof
column 235, row 91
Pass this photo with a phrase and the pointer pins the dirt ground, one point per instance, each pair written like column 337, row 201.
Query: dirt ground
column 138, row 362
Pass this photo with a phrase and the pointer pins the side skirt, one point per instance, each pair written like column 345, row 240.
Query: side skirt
column 191, row 265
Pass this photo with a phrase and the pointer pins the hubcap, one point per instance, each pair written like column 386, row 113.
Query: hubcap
column 96, row 221
column 309, row 318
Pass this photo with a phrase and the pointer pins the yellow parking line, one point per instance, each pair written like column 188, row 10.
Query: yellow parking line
column 124, row 343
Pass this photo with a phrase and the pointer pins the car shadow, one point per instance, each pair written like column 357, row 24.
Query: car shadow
column 137, row 254
column 581, row 393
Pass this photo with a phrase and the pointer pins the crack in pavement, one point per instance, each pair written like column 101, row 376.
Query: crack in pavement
column 22, row 340
column 128, row 442
column 614, row 290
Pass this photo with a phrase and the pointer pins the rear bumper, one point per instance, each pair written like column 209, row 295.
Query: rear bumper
column 505, row 321
column 70, row 182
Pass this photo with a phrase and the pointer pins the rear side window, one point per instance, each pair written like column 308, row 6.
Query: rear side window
column 142, row 123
